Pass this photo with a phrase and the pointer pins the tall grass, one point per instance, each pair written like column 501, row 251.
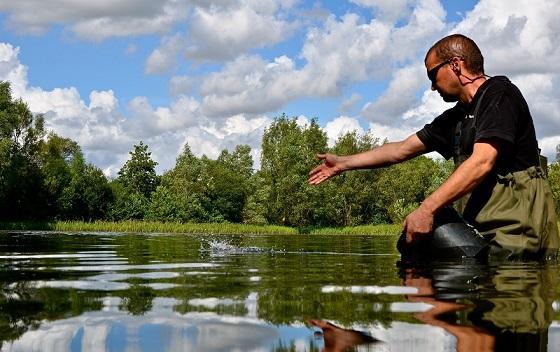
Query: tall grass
column 149, row 226
column 195, row 228
column 385, row 229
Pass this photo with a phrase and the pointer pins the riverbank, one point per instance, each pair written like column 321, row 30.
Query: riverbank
column 194, row 228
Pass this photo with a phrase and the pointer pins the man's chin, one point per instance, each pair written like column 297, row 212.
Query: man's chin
column 449, row 98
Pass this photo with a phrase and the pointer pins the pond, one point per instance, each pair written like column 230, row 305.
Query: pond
column 160, row 292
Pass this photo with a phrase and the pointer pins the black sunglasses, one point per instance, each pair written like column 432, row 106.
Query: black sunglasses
column 433, row 72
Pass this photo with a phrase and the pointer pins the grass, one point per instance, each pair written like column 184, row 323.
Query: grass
column 195, row 228
column 384, row 229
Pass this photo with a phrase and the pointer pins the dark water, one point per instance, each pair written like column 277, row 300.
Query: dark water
column 117, row 292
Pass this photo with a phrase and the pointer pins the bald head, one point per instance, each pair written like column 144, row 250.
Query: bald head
column 460, row 46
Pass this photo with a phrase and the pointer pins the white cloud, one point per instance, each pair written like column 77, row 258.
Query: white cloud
column 164, row 58
column 106, row 135
column 336, row 55
column 391, row 133
column 180, row 85
column 94, row 20
column 390, row 10
column 218, row 34
column 340, row 126
column 217, row 31
column 397, row 98
column 11, row 69
column 517, row 39
column 350, row 103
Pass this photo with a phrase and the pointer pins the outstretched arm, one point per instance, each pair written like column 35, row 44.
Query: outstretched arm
column 387, row 154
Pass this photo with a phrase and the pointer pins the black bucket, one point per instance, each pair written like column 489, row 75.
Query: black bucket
column 452, row 238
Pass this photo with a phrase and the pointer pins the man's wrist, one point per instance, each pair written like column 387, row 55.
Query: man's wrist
column 428, row 207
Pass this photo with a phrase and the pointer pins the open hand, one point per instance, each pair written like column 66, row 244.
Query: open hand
column 330, row 167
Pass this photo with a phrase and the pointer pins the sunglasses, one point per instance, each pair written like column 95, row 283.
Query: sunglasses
column 432, row 74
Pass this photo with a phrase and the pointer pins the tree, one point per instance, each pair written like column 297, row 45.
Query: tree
column 288, row 153
column 182, row 195
column 88, row 194
column 404, row 186
column 554, row 180
column 138, row 173
column 56, row 157
column 354, row 195
column 21, row 133
column 134, row 186
column 229, row 177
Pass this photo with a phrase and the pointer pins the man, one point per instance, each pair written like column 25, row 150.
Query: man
column 498, row 183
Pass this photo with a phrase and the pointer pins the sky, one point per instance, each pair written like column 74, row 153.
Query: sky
column 214, row 74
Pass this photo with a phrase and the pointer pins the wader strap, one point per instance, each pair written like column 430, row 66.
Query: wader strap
column 457, row 158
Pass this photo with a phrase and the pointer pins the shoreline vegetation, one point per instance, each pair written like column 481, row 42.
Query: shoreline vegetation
column 137, row 226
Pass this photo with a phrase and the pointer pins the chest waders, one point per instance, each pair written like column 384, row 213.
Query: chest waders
column 514, row 211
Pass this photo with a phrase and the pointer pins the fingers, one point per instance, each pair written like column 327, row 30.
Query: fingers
column 315, row 170
column 407, row 232
column 317, row 178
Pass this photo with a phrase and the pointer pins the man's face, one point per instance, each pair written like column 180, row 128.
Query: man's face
column 441, row 77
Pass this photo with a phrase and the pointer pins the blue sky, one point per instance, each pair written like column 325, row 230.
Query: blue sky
column 214, row 74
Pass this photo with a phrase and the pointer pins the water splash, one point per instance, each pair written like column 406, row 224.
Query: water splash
column 224, row 247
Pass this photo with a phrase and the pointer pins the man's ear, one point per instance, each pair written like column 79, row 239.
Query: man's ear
column 455, row 66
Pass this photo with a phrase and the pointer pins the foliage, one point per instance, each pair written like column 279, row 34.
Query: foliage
column 88, row 194
column 134, row 186
column 47, row 178
column 554, row 180
column 138, row 174
column 21, row 133
column 407, row 184
column 351, row 199
column 288, row 153
column 56, row 157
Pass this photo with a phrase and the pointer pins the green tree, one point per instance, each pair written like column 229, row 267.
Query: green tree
column 288, row 153
column 255, row 210
column 88, row 194
column 353, row 197
column 182, row 195
column 205, row 190
column 134, row 186
column 404, row 186
column 138, row 173
column 554, row 180
column 230, row 175
column 21, row 133
column 56, row 156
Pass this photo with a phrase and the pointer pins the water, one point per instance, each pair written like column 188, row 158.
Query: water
column 125, row 292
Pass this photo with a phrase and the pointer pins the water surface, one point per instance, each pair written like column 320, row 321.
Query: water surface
column 137, row 292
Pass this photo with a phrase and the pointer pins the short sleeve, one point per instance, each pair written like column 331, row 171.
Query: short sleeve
column 438, row 135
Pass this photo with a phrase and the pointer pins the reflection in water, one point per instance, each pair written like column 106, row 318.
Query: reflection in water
column 505, row 307
column 338, row 339
column 73, row 292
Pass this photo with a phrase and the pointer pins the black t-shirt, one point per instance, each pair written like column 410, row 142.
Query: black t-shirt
column 502, row 115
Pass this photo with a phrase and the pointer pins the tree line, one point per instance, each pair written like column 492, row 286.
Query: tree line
column 44, row 176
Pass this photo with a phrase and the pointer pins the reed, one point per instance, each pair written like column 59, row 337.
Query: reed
column 384, row 229
column 196, row 228
column 149, row 226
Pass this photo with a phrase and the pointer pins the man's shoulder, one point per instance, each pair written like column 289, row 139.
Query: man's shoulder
column 453, row 113
column 499, row 85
